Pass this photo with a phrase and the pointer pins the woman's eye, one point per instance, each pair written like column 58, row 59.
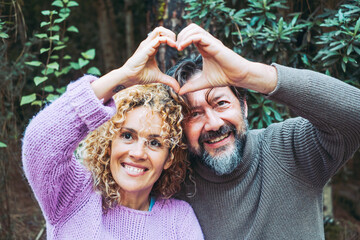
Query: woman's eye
column 154, row 143
column 126, row 136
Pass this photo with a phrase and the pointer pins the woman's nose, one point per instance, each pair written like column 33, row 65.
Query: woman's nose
column 138, row 150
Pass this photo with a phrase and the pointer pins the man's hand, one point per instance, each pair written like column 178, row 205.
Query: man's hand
column 222, row 66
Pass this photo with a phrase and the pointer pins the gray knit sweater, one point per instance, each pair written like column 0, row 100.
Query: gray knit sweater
column 276, row 192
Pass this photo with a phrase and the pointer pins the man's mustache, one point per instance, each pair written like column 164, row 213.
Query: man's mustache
column 214, row 134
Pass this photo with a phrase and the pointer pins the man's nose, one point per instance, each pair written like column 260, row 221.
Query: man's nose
column 138, row 150
column 213, row 121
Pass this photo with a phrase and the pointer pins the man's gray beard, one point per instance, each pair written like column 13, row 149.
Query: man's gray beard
column 226, row 162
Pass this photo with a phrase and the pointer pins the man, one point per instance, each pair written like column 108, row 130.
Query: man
column 261, row 184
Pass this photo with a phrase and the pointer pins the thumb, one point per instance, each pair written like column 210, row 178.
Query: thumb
column 170, row 81
column 193, row 85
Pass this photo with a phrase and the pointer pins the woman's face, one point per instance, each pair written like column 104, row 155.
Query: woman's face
column 138, row 153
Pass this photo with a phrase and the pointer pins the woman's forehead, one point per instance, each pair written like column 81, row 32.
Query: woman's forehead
column 143, row 119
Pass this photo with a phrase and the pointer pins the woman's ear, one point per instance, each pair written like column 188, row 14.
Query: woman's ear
column 169, row 161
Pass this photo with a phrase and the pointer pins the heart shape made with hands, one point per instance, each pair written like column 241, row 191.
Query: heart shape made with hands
column 221, row 65
column 218, row 60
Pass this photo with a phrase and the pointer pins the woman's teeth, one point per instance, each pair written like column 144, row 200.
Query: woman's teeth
column 133, row 169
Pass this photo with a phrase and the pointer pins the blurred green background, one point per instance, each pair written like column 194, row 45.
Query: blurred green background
column 46, row 44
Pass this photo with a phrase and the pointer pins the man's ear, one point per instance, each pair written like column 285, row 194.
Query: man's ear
column 245, row 108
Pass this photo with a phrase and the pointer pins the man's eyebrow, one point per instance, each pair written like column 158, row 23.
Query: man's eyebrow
column 216, row 97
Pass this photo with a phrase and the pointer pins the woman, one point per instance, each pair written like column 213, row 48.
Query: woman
column 134, row 158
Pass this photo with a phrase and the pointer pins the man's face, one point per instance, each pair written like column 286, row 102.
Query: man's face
column 215, row 124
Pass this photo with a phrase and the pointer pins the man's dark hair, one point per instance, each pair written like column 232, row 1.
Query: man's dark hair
column 188, row 67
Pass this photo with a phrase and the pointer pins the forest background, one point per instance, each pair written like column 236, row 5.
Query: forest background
column 46, row 44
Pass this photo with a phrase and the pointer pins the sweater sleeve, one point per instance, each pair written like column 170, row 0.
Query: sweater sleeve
column 327, row 133
column 190, row 228
column 50, row 139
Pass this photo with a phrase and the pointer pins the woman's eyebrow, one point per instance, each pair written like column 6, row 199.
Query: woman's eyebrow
column 155, row 136
column 128, row 129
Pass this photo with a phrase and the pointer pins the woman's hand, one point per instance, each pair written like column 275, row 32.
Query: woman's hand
column 140, row 68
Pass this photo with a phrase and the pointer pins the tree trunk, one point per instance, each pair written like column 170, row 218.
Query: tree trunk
column 129, row 29
column 106, row 30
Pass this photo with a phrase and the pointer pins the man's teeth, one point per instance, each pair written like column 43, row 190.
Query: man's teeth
column 134, row 169
column 218, row 139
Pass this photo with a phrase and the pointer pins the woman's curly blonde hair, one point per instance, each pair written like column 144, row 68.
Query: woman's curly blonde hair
column 96, row 147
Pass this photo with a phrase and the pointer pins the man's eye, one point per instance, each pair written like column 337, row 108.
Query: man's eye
column 194, row 114
column 221, row 103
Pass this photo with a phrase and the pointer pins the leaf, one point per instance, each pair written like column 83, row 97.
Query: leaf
column 72, row 29
column 48, row 88
column 58, row 3
column 343, row 66
column 61, row 90
column 357, row 50
column 67, row 57
column 34, row 63
column 47, row 71
column 54, row 28
column 4, row 35
column 64, row 15
column 227, row 30
column 52, row 97
column 75, row 65
column 2, row 145
column 42, row 24
column 59, row 20
column 349, row 49
column 55, row 37
column 345, row 59
column 27, row 99
column 203, row 13
column 89, row 54
column 41, row 35
column 53, row 65
column 72, row 4
column 82, row 62
column 42, row 50
column 37, row 102
column 357, row 26
column 39, row 80
column 45, row 12
column 59, row 47
column 94, row 71
column 266, row 110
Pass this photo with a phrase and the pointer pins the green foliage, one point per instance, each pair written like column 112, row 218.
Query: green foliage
column 265, row 31
column 3, row 34
column 56, row 62
column 262, row 34
column 340, row 43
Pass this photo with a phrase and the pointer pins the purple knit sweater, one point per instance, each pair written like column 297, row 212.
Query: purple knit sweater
column 64, row 188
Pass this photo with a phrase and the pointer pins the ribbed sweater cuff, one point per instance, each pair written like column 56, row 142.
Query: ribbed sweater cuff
column 88, row 107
